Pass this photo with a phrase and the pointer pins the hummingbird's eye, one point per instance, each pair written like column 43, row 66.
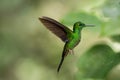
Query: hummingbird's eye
column 81, row 24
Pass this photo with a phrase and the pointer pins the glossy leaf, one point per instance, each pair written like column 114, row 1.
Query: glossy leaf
column 86, row 18
column 97, row 62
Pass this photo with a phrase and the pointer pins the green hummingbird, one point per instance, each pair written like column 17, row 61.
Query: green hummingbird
column 71, row 38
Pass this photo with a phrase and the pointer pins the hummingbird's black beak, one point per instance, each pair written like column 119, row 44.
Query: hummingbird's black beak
column 89, row 25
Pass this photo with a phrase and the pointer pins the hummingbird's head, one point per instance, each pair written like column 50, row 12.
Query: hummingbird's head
column 81, row 25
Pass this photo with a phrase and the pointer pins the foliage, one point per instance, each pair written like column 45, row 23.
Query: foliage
column 28, row 51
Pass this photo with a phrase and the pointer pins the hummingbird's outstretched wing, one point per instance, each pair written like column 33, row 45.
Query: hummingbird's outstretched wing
column 57, row 28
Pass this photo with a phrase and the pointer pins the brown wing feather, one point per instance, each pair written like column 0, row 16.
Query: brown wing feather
column 57, row 28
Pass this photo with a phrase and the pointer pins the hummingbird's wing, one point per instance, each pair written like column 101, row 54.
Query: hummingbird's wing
column 57, row 28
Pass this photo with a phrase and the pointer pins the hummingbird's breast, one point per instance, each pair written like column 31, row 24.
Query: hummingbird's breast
column 74, row 41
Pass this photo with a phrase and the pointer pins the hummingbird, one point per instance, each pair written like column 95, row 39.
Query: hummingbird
column 71, row 38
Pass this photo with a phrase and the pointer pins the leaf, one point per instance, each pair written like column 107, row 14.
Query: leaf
column 97, row 62
column 87, row 18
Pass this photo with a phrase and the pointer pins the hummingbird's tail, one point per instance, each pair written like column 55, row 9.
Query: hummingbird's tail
column 64, row 54
column 62, row 59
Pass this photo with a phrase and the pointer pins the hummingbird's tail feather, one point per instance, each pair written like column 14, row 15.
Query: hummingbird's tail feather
column 64, row 54
column 62, row 59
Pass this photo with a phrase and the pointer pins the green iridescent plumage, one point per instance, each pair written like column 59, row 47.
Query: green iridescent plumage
column 71, row 38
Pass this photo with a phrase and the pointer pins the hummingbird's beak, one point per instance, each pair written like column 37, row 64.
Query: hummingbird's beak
column 89, row 25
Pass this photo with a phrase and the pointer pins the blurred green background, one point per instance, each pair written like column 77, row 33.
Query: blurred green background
column 28, row 51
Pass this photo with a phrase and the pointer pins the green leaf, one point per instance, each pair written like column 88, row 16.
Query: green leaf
column 97, row 62
column 87, row 18
column 112, row 28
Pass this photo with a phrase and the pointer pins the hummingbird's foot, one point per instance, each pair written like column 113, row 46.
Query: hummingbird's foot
column 71, row 51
